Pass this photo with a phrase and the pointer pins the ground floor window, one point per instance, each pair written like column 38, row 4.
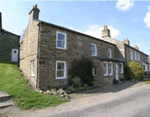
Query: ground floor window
column 60, row 69
column 143, row 67
column 149, row 67
column 32, row 68
column 121, row 67
column 110, row 68
column 105, row 67
column 94, row 71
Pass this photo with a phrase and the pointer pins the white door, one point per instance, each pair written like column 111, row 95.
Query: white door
column 14, row 55
column 117, row 77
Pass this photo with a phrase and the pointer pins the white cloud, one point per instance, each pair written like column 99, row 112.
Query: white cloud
column 140, row 44
column 148, row 7
column 114, row 20
column 124, row 5
column 96, row 31
column 135, row 19
column 147, row 18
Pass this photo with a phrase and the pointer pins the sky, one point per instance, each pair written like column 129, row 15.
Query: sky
column 125, row 18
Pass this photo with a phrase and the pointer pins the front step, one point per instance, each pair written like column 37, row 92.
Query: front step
column 5, row 100
column 6, row 104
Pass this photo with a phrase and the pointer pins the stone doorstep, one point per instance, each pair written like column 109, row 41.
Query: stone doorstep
column 4, row 96
column 6, row 104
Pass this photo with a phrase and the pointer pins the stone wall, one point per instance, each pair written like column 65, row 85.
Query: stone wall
column 77, row 45
column 28, row 51
column 128, row 55
column 8, row 41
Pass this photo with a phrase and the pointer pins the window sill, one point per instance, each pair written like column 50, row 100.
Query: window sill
column 61, row 78
column 61, row 48
column 105, row 74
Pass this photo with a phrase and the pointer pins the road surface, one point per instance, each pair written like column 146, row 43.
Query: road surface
column 131, row 102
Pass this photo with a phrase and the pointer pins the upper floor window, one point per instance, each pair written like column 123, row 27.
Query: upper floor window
column 109, row 53
column 110, row 68
column 61, row 69
column 131, row 54
column 61, row 40
column 105, row 67
column 135, row 55
column 94, row 50
column 138, row 56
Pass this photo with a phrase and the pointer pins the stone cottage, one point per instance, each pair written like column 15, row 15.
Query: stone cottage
column 128, row 52
column 47, row 51
column 9, row 45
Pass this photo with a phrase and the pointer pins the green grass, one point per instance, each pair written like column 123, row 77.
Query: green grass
column 148, row 81
column 12, row 82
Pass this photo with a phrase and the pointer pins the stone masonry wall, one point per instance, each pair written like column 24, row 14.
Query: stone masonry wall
column 28, row 51
column 8, row 42
column 77, row 45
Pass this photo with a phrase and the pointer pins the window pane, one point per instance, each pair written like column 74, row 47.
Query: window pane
column 93, row 47
column 93, row 52
column 60, row 73
column 58, row 43
column 60, row 66
column 61, row 37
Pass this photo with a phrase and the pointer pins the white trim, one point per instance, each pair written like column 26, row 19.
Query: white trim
column 95, row 54
column 110, row 53
column 94, row 71
column 65, row 70
column 121, row 69
column 149, row 67
column 135, row 55
column 138, row 56
column 65, row 44
column 32, row 68
column 106, row 68
column 131, row 54
column 110, row 68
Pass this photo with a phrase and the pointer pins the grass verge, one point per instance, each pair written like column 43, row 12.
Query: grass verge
column 12, row 82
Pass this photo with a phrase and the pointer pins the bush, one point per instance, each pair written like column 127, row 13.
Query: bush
column 76, row 82
column 81, row 68
column 133, row 70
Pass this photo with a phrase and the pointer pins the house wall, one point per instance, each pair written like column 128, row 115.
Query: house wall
column 143, row 57
column 28, row 51
column 77, row 45
column 8, row 41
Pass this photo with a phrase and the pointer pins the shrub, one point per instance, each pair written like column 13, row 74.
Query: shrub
column 76, row 82
column 133, row 70
column 81, row 68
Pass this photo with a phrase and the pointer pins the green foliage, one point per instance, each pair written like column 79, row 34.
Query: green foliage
column 12, row 82
column 76, row 82
column 133, row 70
column 81, row 68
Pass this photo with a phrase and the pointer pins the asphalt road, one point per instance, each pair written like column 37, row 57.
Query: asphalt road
column 131, row 102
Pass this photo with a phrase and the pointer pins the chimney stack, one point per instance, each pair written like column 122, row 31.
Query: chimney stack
column 0, row 21
column 105, row 32
column 34, row 13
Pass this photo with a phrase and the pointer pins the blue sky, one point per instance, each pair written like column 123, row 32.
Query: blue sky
column 124, row 18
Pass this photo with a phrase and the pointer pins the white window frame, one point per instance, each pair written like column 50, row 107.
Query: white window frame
column 95, row 54
column 135, row 55
column 106, row 68
column 138, row 56
column 131, row 54
column 94, row 68
column 110, row 53
column 149, row 67
column 121, row 67
column 65, row 44
column 110, row 68
column 32, row 68
column 65, row 69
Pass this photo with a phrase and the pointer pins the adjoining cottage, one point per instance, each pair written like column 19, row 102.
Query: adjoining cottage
column 9, row 45
column 128, row 52
column 47, row 51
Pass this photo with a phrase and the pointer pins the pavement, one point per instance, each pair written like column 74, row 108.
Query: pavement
column 128, row 102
